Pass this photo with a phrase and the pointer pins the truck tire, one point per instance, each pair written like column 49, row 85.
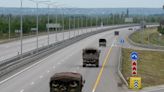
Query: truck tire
column 84, row 65
column 97, row 64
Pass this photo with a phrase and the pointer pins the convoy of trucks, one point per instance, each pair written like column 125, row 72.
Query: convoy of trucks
column 74, row 82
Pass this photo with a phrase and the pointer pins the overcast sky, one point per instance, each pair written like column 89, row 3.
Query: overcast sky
column 90, row 3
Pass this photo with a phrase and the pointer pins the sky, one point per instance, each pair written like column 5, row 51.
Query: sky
column 89, row 3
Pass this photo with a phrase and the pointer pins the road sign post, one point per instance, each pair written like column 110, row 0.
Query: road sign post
column 122, row 41
column 135, row 82
column 134, row 58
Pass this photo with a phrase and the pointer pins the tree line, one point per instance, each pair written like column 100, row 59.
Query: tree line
column 12, row 22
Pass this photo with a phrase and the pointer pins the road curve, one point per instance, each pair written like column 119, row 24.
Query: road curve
column 35, row 78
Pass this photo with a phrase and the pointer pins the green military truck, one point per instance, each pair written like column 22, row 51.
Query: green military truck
column 102, row 42
column 66, row 82
column 91, row 57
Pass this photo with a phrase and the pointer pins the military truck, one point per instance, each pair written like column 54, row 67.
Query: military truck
column 91, row 56
column 66, row 82
column 116, row 33
column 102, row 42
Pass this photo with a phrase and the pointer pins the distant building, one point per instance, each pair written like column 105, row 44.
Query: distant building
column 162, row 23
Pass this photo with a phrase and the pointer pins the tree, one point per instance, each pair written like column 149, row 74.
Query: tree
column 161, row 30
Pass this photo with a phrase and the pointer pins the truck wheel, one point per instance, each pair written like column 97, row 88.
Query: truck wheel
column 84, row 65
column 97, row 64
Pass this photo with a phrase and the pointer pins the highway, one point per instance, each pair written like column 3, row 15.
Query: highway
column 12, row 49
column 35, row 78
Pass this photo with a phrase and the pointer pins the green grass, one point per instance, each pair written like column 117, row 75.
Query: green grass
column 148, row 36
column 150, row 66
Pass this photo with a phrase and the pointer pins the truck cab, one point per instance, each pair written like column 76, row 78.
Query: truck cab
column 66, row 82
column 102, row 42
column 91, row 57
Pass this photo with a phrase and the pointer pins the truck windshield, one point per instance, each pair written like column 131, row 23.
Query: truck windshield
column 102, row 40
column 90, row 51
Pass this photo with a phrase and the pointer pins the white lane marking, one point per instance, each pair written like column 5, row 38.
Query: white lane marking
column 41, row 77
column 74, row 71
column 23, row 70
column 62, row 61
column 19, row 72
column 78, row 68
column 7, row 46
column 1, row 82
column 111, row 46
column 22, row 90
column 32, row 83
column 113, row 43
column 48, row 71
column 29, row 68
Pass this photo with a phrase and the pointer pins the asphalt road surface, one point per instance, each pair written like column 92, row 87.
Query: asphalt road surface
column 12, row 49
column 36, row 77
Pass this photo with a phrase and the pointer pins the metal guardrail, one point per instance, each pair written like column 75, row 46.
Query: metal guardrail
column 119, row 69
column 18, row 61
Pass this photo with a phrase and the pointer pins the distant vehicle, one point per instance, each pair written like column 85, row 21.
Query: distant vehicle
column 91, row 56
column 130, row 28
column 102, row 42
column 66, row 82
column 116, row 33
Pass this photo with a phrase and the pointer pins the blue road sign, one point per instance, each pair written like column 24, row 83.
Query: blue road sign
column 134, row 56
column 122, row 41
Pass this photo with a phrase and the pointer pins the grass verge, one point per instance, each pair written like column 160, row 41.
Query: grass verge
column 150, row 66
column 148, row 36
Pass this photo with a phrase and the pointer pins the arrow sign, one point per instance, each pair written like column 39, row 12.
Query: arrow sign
column 134, row 73
column 134, row 63
column 134, row 68
column 134, row 56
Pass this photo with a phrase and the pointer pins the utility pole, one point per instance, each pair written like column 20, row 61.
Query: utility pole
column 74, row 25
column 48, row 30
column 37, row 16
column 62, row 21
column 91, row 23
column 56, row 20
column 21, row 30
column 86, row 23
column 9, row 26
column 69, row 26
column 96, row 22
column 78, row 25
column 81, row 18
column 37, row 26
